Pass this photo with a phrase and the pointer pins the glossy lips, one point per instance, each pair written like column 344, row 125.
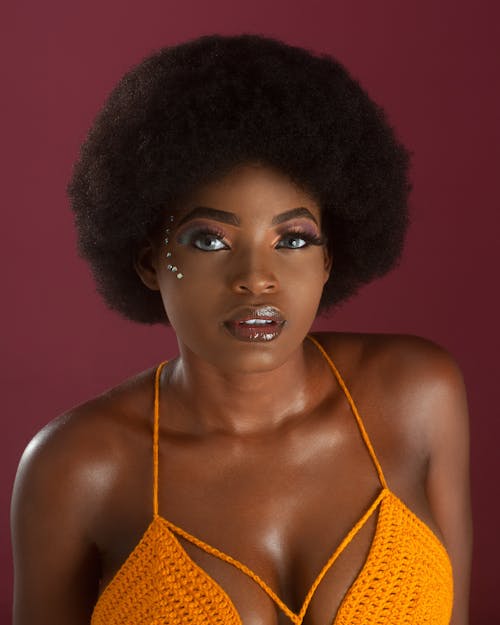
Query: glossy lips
column 255, row 323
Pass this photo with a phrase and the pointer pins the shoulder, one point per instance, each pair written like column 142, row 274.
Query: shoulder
column 401, row 360
column 60, row 495
column 71, row 462
column 408, row 349
column 417, row 379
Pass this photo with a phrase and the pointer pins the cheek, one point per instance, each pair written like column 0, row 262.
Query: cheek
column 194, row 297
column 308, row 269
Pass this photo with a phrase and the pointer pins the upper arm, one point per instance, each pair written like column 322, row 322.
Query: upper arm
column 448, row 479
column 434, row 396
column 55, row 563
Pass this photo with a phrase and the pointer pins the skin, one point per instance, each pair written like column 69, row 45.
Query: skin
column 260, row 454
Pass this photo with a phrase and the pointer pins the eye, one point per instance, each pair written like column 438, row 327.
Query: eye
column 205, row 240
column 294, row 237
column 211, row 240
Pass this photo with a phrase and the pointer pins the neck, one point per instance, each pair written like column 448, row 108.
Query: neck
column 205, row 399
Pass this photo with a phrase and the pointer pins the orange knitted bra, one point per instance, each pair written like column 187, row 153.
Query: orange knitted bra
column 406, row 577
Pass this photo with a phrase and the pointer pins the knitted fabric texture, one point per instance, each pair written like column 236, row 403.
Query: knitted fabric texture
column 406, row 578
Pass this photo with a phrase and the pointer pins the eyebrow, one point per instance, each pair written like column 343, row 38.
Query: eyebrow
column 233, row 220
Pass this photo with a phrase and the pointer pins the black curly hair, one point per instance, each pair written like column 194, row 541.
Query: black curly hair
column 189, row 113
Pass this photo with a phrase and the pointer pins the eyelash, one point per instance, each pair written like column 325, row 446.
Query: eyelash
column 292, row 233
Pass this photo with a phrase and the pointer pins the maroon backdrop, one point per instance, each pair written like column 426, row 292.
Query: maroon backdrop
column 431, row 64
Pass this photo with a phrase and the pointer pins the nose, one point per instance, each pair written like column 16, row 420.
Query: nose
column 252, row 272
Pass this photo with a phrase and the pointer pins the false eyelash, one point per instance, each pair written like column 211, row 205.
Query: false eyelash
column 311, row 239
column 204, row 231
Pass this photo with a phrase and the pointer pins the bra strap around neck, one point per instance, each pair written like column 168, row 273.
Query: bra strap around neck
column 361, row 426
column 156, row 427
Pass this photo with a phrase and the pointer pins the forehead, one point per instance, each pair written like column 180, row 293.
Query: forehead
column 255, row 187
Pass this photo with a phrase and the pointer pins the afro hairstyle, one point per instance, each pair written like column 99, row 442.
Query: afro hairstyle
column 188, row 113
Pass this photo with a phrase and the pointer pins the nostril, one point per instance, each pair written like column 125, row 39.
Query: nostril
column 256, row 288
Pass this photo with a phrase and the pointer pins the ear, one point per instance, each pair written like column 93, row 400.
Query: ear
column 144, row 264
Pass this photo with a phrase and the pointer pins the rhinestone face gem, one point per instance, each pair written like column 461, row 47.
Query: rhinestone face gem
column 174, row 268
column 180, row 275
column 169, row 267
column 169, row 254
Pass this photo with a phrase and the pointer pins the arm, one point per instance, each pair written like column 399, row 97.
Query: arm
column 56, row 568
column 448, row 482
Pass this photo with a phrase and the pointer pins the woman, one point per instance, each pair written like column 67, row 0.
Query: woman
column 234, row 188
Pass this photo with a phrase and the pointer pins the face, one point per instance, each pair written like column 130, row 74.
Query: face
column 250, row 239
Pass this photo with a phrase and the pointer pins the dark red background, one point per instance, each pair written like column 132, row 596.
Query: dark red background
column 432, row 65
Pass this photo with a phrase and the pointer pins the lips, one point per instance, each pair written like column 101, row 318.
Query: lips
column 255, row 323
column 264, row 312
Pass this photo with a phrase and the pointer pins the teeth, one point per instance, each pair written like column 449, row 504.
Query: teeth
column 259, row 322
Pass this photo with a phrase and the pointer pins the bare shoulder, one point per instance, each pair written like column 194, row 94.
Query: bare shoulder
column 428, row 380
column 61, row 487
column 88, row 431
column 62, row 483
column 411, row 393
column 400, row 349
column 418, row 382
column 81, row 447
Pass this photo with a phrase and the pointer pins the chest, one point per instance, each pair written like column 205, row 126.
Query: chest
column 288, row 528
column 277, row 521
column 281, row 507
column 406, row 577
